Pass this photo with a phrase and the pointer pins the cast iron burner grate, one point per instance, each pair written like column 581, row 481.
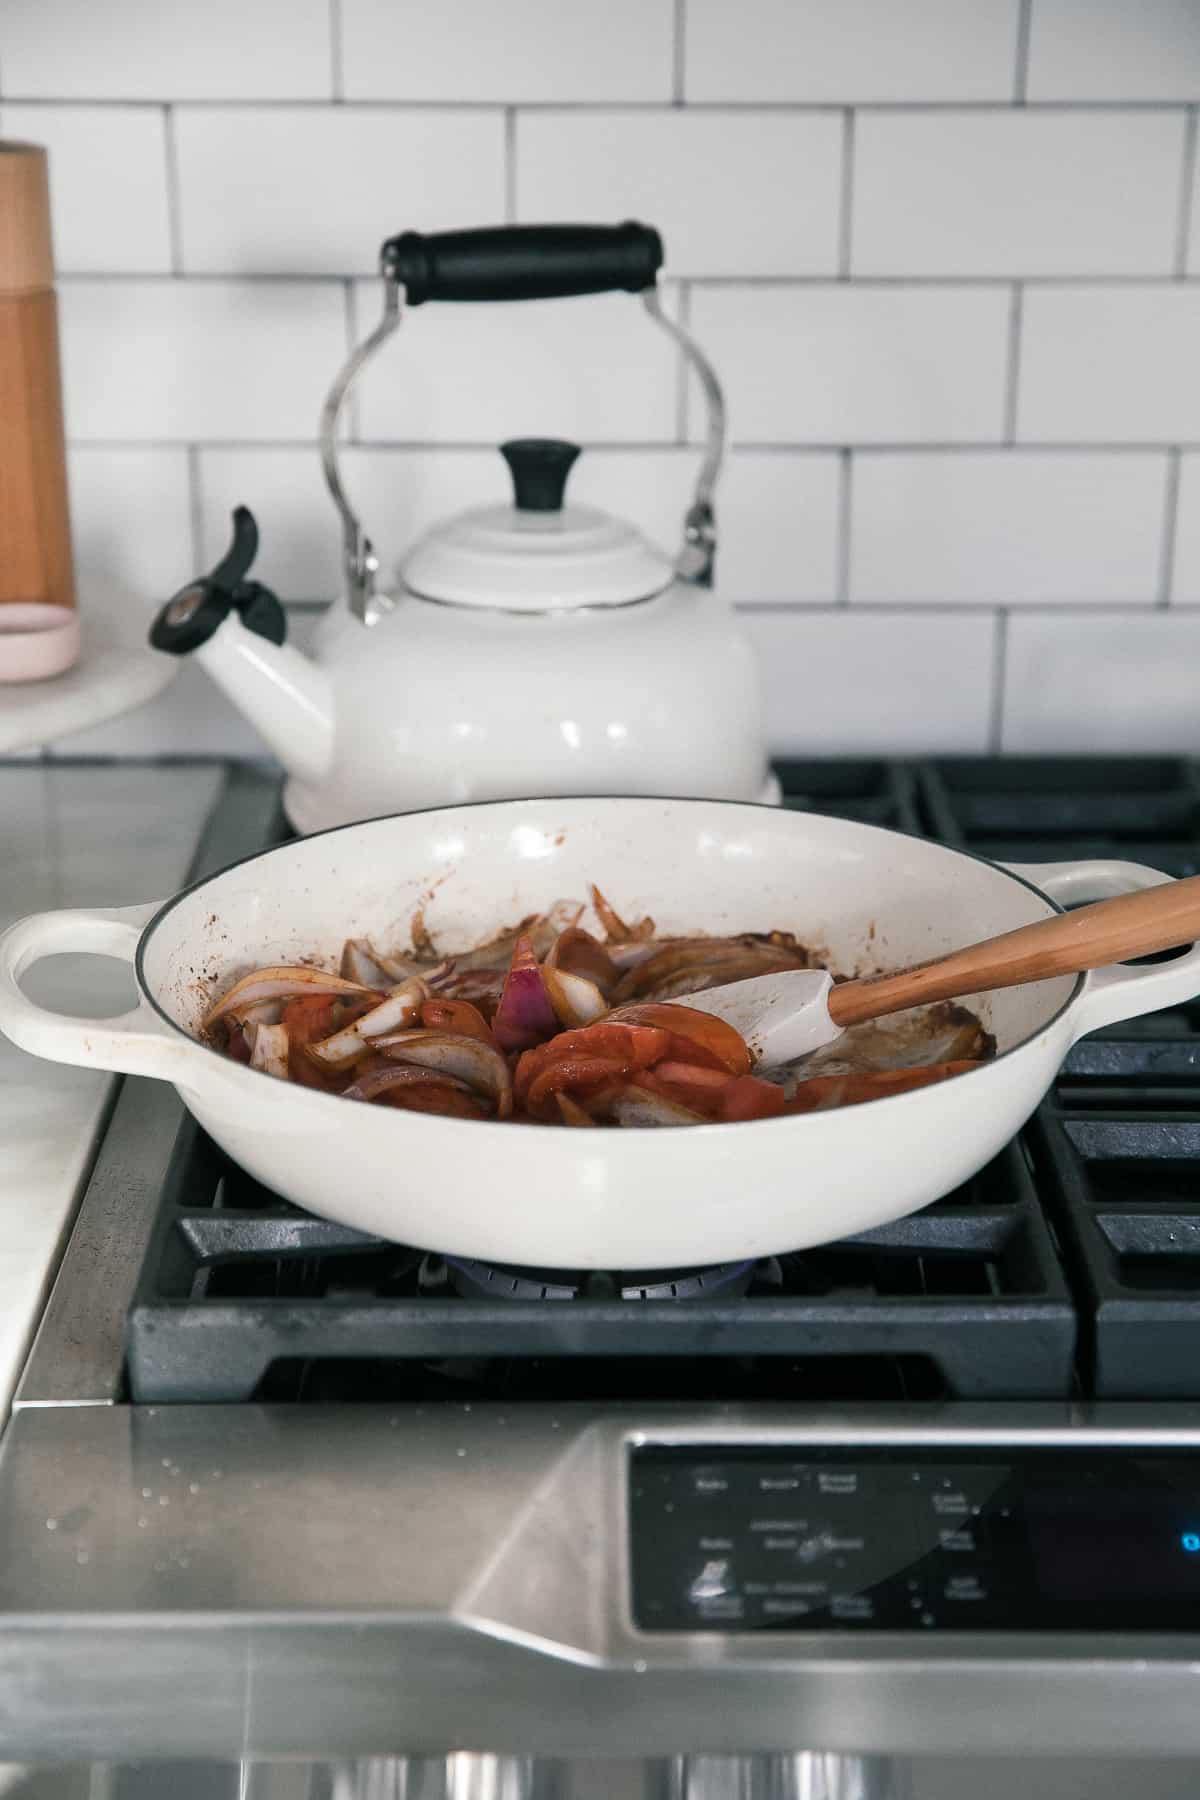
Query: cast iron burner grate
column 242, row 1295
column 1126, row 1188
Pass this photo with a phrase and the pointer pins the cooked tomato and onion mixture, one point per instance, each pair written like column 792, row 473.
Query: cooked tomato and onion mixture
column 550, row 1024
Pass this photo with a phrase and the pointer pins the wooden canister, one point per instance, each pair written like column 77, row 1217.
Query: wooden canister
column 39, row 626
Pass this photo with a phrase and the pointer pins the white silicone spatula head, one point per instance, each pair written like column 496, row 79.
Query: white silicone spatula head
column 781, row 1016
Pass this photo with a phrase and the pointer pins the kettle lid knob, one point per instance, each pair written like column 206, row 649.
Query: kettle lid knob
column 539, row 468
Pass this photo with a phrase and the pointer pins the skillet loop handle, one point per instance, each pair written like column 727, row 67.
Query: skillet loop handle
column 134, row 1043
column 523, row 262
column 1121, row 991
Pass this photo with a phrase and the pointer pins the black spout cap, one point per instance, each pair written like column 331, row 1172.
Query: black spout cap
column 192, row 615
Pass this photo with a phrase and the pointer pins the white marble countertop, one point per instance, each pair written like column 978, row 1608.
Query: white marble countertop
column 72, row 836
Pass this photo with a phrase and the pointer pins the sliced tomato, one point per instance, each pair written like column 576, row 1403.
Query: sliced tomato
column 687, row 1084
column 457, row 1015
column 626, row 1047
column 570, row 1072
column 750, row 1097
column 824, row 1092
column 310, row 1017
column 696, row 1037
column 724, row 1098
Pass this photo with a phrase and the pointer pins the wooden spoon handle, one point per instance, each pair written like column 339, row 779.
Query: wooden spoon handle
column 1157, row 918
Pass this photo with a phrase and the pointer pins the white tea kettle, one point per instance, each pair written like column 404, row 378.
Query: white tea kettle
column 532, row 648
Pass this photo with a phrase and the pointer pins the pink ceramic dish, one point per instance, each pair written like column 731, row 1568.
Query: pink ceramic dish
column 37, row 640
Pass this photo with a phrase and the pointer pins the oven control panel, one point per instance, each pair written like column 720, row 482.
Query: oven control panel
column 744, row 1539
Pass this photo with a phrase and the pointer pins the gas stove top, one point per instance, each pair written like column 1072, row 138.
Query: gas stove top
column 1070, row 1267
column 427, row 1497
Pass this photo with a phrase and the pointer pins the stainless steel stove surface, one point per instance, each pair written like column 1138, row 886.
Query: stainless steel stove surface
column 275, row 1488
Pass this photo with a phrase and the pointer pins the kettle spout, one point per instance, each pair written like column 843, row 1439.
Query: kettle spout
column 287, row 698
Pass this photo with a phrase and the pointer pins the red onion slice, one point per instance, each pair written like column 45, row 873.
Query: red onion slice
column 468, row 1059
column 401, row 1008
column 576, row 1001
column 638, row 1106
column 283, row 982
column 379, row 1081
column 524, row 1016
column 270, row 1053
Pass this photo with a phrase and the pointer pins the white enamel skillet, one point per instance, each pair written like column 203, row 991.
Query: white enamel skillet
column 866, row 898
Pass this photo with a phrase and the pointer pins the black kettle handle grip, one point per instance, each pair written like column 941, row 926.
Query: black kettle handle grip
column 523, row 262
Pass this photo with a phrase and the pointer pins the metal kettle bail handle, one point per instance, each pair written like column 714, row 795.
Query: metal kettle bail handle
column 360, row 563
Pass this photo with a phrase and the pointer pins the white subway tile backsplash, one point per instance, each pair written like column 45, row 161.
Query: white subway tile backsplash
column 1185, row 586
column 165, row 50
column 1114, row 50
column 856, row 364
column 1110, row 364
column 1016, row 193
column 100, row 155
column 729, row 191
column 857, row 50
column 913, row 283
column 777, row 514
column 586, row 369
column 1007, row 527
column 254, row 182
column 299, row 532
column 187, row 360
column 1104, row 683
column 130, row 525
column 847, row 683
column 523, row 50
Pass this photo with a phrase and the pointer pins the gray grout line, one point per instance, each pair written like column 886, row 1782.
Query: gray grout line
column 1013, row 369
column 1166, row 571
column 174, row 195
column 999, row 681
column 207, row 277
column 963, row 609
column 666, row 445
column 336, row 61
column 846, row 197
column 510, row 165
column 196, row 508
column 679, row 54
column 309, row 103
column 1021, row 71
column 880, row 609
column 1187, row 180
column 797, row 283
column 946, row 281
column 843, row 543
column 876, row 609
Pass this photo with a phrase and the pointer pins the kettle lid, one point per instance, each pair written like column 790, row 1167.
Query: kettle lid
column 537, row 555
